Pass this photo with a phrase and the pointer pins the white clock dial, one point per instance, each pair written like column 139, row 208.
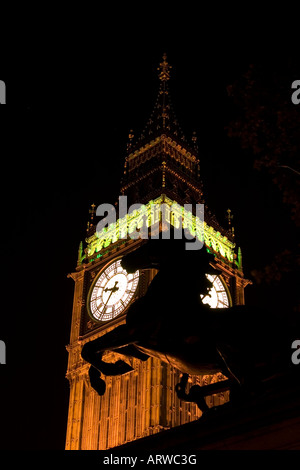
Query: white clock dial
column 217, row 296
column 111, row 292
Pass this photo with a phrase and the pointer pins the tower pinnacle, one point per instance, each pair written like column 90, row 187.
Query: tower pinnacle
column 164, row 69
column 229, row 218
column 162, row 119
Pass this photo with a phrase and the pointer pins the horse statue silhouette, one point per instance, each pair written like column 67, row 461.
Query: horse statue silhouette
column 171, row 322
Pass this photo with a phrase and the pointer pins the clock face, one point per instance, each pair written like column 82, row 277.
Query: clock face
column 111, row 292
column 217, row 296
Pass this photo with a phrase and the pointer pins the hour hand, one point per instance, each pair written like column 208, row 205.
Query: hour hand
column 112, row 289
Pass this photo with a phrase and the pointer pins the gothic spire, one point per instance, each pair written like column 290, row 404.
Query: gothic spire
column 162, row 119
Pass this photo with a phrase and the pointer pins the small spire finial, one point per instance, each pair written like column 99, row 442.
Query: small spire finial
column 229, row 218
column 92, row 211
column 164, row 69
column 90, row 223
column 195, row 141
column 130, row 139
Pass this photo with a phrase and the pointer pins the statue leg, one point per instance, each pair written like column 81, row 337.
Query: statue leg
column 122, row 339
column 96, row 382
column 194, row 395
column 197, row 394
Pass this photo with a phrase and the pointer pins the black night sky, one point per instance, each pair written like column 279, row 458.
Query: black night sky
column 73, row 95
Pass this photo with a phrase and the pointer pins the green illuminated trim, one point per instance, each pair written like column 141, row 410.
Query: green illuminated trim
column 151, row 213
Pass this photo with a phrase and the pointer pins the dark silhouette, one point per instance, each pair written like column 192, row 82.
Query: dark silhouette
column 172, row 323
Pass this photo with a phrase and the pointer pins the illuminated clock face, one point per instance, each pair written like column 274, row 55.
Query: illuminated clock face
column 111, row 292
column 217, row 296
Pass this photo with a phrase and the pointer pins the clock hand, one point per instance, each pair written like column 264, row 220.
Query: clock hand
column 113, row 289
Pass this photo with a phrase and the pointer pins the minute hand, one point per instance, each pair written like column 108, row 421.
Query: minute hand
column 112, row 289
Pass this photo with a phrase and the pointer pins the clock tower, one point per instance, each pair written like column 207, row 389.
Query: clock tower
column 161, row 168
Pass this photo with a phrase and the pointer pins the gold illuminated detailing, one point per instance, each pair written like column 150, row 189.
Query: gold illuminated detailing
column 166, row 145
column 195, row 140
column 163, row 174
column 229, row 218
column 164, row 69
column 92, row 211
column 166, row 169
column 150, row 214
column 138, row 180
column 195, row 188
column 130, row 139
